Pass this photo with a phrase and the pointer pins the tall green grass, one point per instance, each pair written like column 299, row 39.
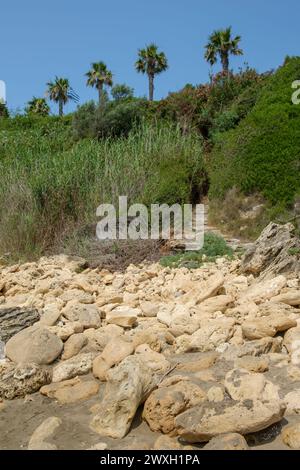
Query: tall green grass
column 50, row 186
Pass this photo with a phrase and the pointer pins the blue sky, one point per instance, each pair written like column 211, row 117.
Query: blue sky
column 41, row 39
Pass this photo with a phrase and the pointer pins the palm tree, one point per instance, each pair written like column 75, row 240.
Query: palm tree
column 99, row 76
column 61, row 92
column 38, row 106
column 151, row 62
column 222, row 44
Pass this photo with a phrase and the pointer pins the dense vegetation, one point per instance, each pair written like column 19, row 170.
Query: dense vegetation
column 50, row 184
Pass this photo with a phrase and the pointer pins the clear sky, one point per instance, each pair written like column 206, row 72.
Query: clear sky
column 41, row 39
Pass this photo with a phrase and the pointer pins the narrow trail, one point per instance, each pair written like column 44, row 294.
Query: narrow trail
column 234, row 243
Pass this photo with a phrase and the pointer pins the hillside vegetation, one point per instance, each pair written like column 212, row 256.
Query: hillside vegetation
column 236, row 138
column 261, row 155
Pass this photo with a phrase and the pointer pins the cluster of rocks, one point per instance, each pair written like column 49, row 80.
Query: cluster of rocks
column 212, row 355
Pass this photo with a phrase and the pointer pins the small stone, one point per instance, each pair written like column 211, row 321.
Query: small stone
column 46, row 430
column 116, row 350
column 100, row 368
column 123, row 316
column 292, row 402
column 77, row 365
column 252, row 364
column 71, row 391
column 291, row 436
column 231, row 441
column 73, row 345
column 50, row 316
column 215, row 394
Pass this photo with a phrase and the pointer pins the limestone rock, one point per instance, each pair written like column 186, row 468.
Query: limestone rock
column 292, row 339
column 215, row 304
column 34, row 344
column 100, row 368
column 164, row 404
column 50, row 316
column 86, row 314
column 292, row 402
column 74, row 345
column 264, row 290
column 21, row 380
column 242, row 385
column 45, row 431
column 116, row 350
column 77, row 295
column 204, row 290
column 290, row 297
column 202, row 423
column 267, row 326
column 259, row 347
column 215, row 395
column 98, row 339
column 231, row 441
column 291, row 436
column 13, row 320
column 252, row 364
column 207, row 338
column 127, row 387
column 71, row 391
column 65, row 331
column 123, row 316
column 272, row 254
column 149, row 309
column 77, row 365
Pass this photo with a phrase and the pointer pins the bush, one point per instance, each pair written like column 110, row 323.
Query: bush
column 214, row 247
column 261, row 154
column 115, row 119
column 214, row 107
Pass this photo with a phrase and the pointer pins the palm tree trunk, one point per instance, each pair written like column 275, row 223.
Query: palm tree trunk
column 151, row 87
column 61, row 108
column 100, row 94
column 225, row 62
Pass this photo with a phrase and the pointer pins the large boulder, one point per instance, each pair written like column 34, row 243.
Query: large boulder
column 275, row 252
column 13, row 320
column 128, row 385
column 34, row 344
column 203, row 422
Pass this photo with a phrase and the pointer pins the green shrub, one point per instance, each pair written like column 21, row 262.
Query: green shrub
column 115, row 119
column 261, row 154
column 214, row 247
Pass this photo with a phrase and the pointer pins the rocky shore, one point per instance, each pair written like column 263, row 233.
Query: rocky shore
column 153, row 357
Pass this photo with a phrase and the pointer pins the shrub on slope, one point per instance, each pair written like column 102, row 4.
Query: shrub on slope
column 263, row 153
